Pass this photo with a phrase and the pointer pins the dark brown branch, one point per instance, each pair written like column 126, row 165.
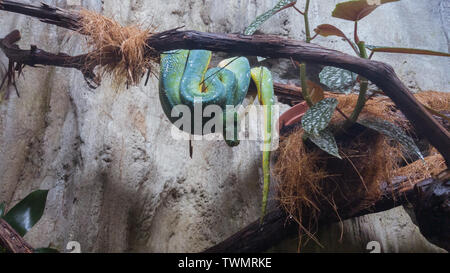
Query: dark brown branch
column 44, row 12
column 35, row 56
column 432, row 210
column 278, row 225
column 11, row 240
column 290, row 94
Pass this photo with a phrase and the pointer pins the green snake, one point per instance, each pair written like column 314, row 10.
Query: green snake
column 185, row 77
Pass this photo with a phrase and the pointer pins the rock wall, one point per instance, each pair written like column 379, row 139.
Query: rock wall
column 119, row 182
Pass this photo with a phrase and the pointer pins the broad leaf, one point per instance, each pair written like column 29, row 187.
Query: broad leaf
column 325, row 141
column 318, row 116
column 337, row 79
column 329, row 30
column 256, row 24
column 315, row 92
column 406, row 50
column 46, row 250
column 27, row 212
column 2, row 209
column 355, row 10
column 393, row 131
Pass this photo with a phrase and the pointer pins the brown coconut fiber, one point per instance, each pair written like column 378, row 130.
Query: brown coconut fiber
column 311, row 183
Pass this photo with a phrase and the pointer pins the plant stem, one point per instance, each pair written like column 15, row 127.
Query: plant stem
column 299, row 11
column 305, row 16
column 303, row 80
column 364, row 84
column 356, row 33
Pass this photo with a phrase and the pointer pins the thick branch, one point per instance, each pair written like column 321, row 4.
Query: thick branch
column 277, row 225
column 432, row 210
column 290, row 94
column 11, row 240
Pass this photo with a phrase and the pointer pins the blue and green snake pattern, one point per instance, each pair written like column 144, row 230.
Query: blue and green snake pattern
column 185, row 78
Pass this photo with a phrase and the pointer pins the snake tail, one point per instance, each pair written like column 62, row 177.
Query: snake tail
column 264, row 84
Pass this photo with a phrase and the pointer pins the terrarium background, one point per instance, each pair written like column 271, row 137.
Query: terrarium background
column 121, row 183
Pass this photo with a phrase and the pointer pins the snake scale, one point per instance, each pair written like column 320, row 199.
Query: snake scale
column 185, row 78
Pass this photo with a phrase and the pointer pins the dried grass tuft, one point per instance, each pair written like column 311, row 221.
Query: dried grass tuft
column 121, row 51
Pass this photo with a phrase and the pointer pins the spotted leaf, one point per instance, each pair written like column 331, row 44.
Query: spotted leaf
column 256, row 24
column 394, row 132
column 337, row 79
column 318, row 116
column 325, row 141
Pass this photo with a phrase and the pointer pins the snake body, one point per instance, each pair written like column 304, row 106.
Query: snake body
column 185, row 78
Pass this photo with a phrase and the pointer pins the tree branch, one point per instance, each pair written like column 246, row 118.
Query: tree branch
column 11, row 240
column 45, row 13
column 289, row 94
column 35, row 56
column 277, row 225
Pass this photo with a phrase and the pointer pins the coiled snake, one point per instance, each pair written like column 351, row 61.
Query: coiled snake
column 185, row 78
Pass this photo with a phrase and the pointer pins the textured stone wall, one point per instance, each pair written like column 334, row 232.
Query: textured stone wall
column 119, row 182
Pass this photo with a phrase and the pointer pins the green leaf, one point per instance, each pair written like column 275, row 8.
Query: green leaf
column 256, row 24
column 337, row 79
column 318, row 116
column 325, row 141
column 27, row 212
column 355, row 10
column 393, row 131
column 406, row 50
column 2, row 209
column 46, row 250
